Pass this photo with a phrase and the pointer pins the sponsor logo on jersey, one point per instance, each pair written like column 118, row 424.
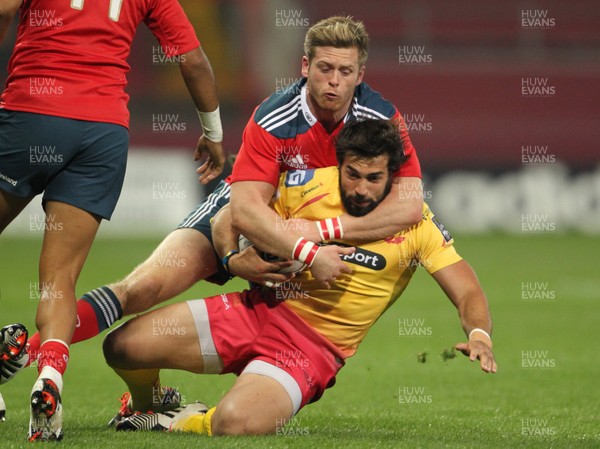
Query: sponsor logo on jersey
column 297, row 162
column 298, row 177
column 364, row 258
column 311, row 189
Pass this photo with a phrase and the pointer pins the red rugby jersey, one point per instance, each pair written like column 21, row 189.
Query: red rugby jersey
column 70, row 56
column 283, row 134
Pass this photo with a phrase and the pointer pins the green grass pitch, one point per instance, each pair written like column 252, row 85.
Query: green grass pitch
column 543, row 291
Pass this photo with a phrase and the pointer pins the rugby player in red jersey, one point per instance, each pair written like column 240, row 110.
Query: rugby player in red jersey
column 65, row 92
column 303, row 123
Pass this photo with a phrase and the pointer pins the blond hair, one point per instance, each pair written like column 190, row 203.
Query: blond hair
column 338, row 32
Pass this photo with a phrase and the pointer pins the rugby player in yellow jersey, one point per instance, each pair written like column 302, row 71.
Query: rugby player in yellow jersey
column 288, row 343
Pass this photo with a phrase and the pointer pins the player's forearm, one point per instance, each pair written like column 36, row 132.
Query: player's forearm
column 462, row 287
column 199, row 80
column 474, row 313
column 400, row 210
column 224, row 236
column 252, row 217
column 263, row 227
column 477, row 324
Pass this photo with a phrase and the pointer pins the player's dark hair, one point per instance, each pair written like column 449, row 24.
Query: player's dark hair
column 369, row 139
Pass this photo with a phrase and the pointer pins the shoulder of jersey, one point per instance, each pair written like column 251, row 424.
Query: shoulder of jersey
column 281, row 113
column 369, row 104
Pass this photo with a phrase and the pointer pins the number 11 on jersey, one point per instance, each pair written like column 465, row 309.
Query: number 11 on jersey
column 113, row 11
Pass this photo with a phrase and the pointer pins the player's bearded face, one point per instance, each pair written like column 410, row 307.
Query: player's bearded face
column 332, row 75
column 364, row 184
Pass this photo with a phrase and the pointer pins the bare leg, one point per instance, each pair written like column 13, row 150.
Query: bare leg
column 255, row 405
column 68, row 238
column 163, row 338
column 183, row 258
column 144, row 387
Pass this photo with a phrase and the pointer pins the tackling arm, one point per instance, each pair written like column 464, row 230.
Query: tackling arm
column 8, row 9
column 246, row 264
column 460, row 284
column 200, row 82
column 252, row 217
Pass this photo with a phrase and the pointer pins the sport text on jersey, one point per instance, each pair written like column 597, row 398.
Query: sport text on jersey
column 364, row 258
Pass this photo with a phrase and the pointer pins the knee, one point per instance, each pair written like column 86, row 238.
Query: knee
column 114, row 348
column 137, row 293
column 230, row 419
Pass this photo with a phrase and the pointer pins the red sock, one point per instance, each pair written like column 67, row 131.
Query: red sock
column 33, row 347
column 87, row 323
column 86, row 328
column 54, row 353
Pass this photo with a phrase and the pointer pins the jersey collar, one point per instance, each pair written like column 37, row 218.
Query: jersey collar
column 310, row 117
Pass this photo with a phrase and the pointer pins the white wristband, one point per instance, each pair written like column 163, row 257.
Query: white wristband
column 211, row 125
column 479, row 330
column 330, row 228
column 305, row 251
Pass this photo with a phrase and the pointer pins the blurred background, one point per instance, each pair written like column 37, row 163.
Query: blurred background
column 501, row 100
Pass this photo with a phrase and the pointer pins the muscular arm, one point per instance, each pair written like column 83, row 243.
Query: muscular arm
column 252, row 217
column 400, row 210
column 8, row 9
column 460, row 284
column 200, row 82
column 246, row 264
column 199, row 79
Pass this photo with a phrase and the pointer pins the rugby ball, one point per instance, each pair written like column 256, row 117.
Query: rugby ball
column 296, row 267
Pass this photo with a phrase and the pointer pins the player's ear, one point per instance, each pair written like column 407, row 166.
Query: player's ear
column 305, row 66
column 361, row 74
